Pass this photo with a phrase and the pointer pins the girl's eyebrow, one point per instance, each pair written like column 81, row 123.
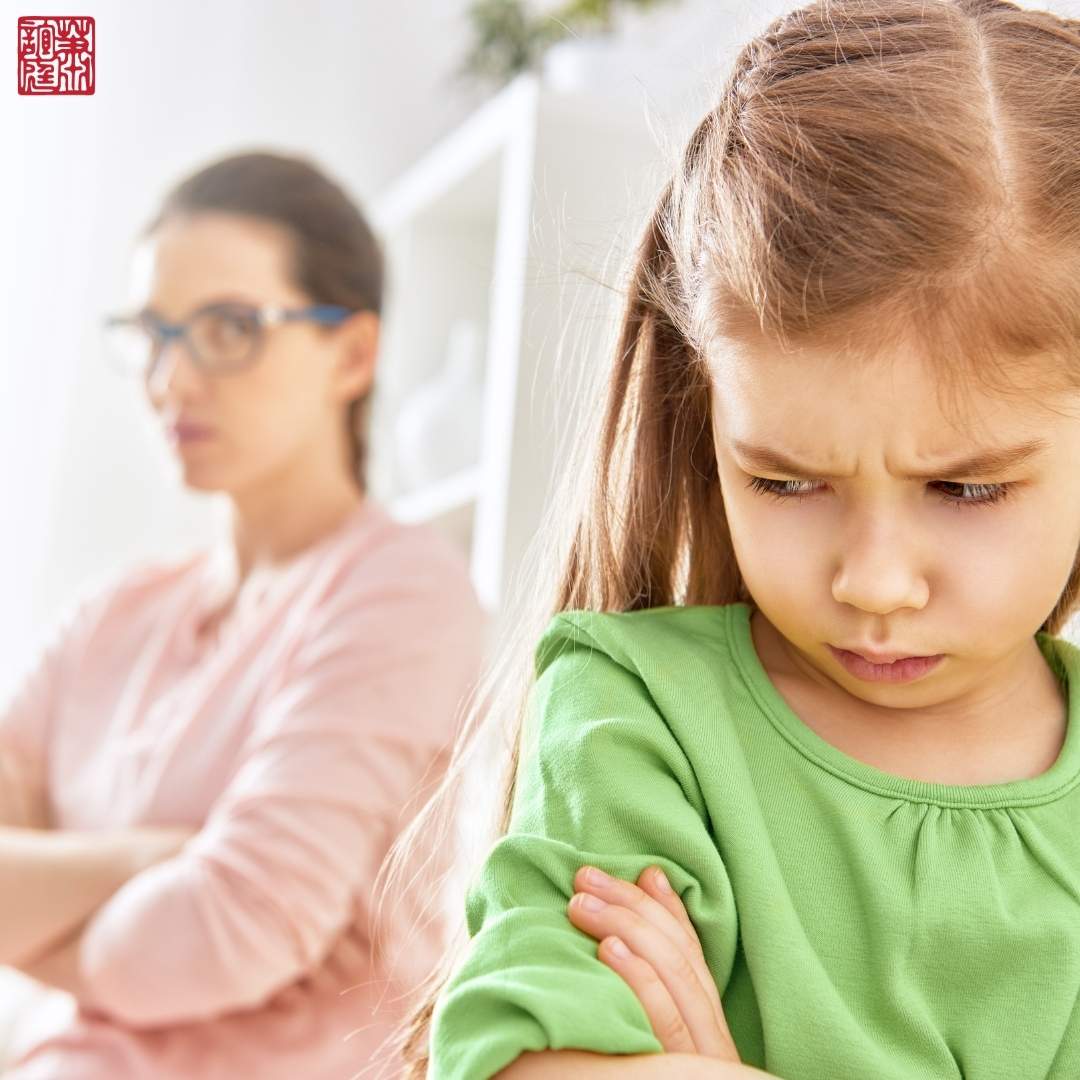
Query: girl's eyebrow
column 991, row 461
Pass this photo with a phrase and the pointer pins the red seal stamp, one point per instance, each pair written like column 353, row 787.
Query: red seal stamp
column 56, row 54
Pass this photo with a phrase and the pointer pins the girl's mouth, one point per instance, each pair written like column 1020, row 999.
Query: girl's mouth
column 902, row 670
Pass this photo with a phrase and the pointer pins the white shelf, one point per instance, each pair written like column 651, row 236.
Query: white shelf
column 520, row 221
column 454, row 493
column 457, row 175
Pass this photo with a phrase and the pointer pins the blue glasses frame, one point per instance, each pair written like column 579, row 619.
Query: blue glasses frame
column 262, row 316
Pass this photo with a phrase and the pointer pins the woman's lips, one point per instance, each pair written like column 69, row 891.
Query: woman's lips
column 903, row 669
column 184, row 431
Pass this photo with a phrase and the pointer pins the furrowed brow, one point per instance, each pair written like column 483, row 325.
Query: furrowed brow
column 992, row 461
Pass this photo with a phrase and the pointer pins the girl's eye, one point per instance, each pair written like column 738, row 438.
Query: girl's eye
column 788, row 489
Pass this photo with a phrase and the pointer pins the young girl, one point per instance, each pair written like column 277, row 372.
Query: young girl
column 227, row 743
column 804, row 664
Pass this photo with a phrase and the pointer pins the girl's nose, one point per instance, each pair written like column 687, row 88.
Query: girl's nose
column 881, row 572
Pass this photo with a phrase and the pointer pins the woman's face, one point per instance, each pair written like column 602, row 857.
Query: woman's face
column 279, row 419
column 863, row 540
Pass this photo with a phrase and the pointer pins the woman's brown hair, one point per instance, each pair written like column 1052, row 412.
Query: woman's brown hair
column 334, row 256
column 873, row 173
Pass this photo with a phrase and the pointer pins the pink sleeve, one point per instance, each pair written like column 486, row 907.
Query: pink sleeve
column 256, row 898
column 26, row 717
column 25, row 722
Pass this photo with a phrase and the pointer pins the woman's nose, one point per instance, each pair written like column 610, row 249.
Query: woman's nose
column 169, row 370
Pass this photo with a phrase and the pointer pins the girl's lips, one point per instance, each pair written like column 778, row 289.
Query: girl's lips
column 879, row 658
column 903, row 670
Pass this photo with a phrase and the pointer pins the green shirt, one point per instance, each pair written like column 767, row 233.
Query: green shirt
column 859, row 925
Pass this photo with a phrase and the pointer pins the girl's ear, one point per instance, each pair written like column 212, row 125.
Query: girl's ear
column 357, row 349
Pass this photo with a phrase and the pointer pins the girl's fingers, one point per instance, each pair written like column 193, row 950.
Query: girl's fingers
column 664, row 915
column 664, row 1015
column 666, row 959
column 653, row 881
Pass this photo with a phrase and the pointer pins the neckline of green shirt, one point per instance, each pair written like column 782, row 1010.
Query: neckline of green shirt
column 1062, row 656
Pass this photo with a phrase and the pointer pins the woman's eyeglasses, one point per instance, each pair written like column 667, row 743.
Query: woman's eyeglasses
column 221, row 338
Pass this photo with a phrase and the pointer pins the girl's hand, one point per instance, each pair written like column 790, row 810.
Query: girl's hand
column 646, row 936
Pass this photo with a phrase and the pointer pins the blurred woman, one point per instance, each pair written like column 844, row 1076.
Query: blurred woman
column 262, row 716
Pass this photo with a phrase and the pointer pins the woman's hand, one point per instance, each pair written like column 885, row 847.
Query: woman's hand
column 24, row 800
column 646, row 936
column 147, row 845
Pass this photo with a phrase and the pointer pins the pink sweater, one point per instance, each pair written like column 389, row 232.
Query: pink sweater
column 293, row 744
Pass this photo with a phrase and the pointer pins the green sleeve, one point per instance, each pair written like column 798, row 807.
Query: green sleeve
column 600, row 780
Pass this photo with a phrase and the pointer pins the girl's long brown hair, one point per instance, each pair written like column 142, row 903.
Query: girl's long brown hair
column 874, row 173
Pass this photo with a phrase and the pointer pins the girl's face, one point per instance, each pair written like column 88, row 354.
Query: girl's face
column 867, row 543
column 283, row 417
